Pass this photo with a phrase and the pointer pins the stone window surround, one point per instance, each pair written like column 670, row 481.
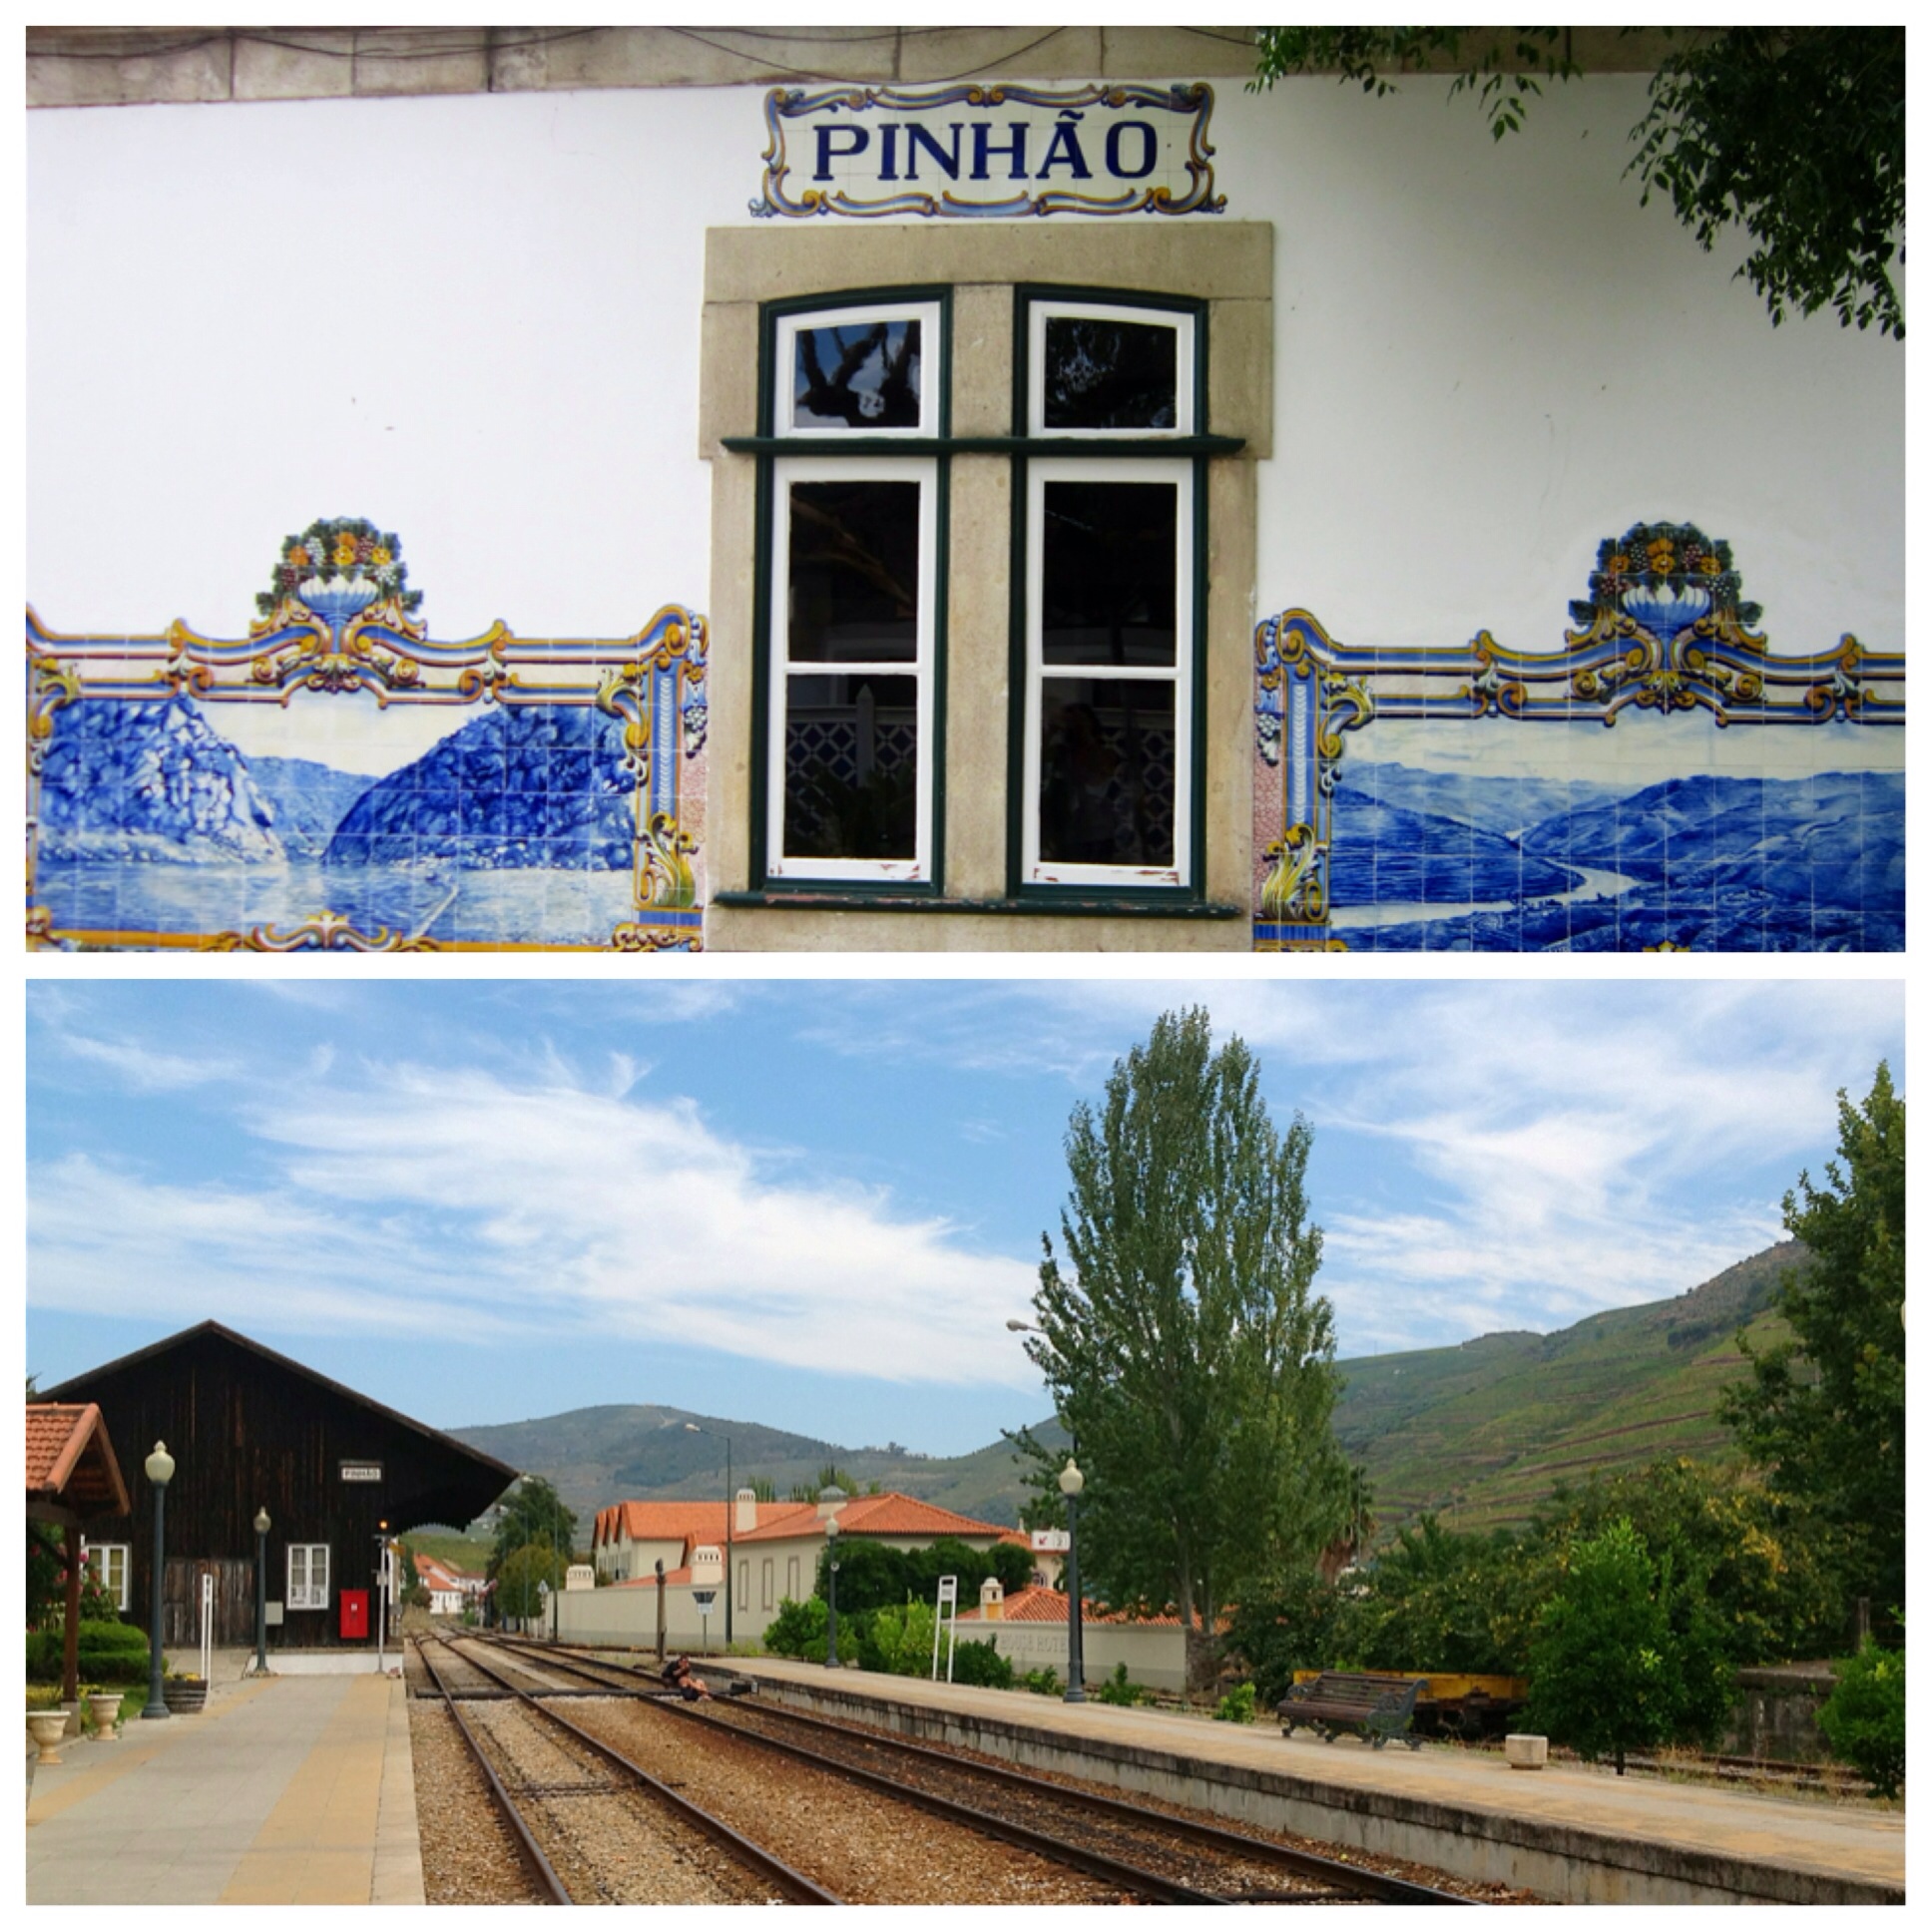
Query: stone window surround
column 1228, row 264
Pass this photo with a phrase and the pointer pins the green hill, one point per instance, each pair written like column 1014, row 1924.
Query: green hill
column 1483, row 1432
column 1479, row 1433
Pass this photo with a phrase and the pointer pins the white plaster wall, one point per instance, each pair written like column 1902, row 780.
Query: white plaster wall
column 475, row 320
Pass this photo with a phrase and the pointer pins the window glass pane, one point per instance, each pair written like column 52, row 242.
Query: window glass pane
column 861, row 375
column 851, row 766
column 1105, row 374
column 1107, row 573
column 1107, row 762
column 854, row 573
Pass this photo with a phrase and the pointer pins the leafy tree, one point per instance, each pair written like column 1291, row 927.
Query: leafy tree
column 1796, row 133
column 1186, row 1349
column 1824, row 1411
column 762, row 1488
column 533, row 1512
column 410, row 1587
column 46, row 1574
column 1767, row 1567
column 521, row 1576
column 871, row 1576
column 1624, row 1655
column 1864, row 1720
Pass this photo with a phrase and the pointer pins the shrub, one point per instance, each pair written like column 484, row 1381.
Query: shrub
column 1864, row 1720
column 1042, row 1682
column 982, row 1664
column 1237, row 1708
column 799, row 1629
column 109, row 1653
column 897, row 1641
column 1117, row 1689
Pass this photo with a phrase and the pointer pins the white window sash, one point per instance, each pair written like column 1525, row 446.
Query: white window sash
column 308, row 1576
column 785, row 356
column 109, row 1562
column 1181, row 322
column 1178, row 471
column 787, row 471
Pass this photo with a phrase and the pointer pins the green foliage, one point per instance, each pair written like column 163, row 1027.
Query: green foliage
column 982, row 1664
column 520, row 1578
column 761, row 1487
column 533, row 1512
column 1624, row 1655
column 1297, row 1626
column 1824, row 1412
column 896, row 1639
column 109, row 1653
column 871, row 1576
column 1042, row 1682
column 1436, row 1600
column 1182, row 1339
column 1864, row 1720
column 1766, row 1566
column 411, row 1589
column 46, row 1573
column 1794, row 134
column 1237, row 1708
column 1117, row 1689
column 799, row 1629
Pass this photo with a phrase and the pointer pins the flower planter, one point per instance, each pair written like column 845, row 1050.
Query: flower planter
column 106, row 1708
column 1526, row 1751
column 184, row 1695
column 47, row 1729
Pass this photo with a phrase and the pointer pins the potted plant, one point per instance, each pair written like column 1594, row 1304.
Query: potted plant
column 182, row 1692
column 105, row 1709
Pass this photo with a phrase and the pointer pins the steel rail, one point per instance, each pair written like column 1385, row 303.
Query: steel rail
column 1303, row 1864
column 804, row 1890
column 528, row 1849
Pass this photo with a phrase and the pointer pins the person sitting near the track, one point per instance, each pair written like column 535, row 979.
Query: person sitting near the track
column 685, row 1680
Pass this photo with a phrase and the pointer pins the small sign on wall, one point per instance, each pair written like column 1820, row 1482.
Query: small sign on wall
column 361, row 1472
column 980, row 150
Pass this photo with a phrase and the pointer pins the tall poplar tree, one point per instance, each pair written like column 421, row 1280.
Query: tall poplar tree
column 1181, row 1338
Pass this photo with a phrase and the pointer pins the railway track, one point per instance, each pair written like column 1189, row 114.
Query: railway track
column 592, row 1826
column 1149, row 1854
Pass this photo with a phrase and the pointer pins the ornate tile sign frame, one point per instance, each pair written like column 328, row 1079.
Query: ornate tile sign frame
column 338, row 625
column 1662, row 631
column 1098, row 150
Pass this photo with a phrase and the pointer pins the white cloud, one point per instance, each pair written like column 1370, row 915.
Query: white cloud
column 434, row 1200
column 146, row 1068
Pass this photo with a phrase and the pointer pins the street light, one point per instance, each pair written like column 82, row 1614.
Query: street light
column 831, row 1592
column 261, row 1593
column 1072, row 1482
column 731, row 1517
column 161, row 1469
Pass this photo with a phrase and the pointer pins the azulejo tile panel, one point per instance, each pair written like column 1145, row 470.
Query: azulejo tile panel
column 339, row 780
column 1492, row 800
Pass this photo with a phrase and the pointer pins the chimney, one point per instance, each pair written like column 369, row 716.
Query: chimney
column 992, row 1599
column 746, row 1517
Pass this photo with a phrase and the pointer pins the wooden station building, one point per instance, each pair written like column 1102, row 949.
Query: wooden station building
column 249, row 1430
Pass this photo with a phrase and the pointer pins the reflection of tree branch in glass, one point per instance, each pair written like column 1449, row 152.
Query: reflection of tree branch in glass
column 891, row 403
column 830, row 542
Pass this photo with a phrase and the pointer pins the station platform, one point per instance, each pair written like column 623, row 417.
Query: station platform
column 1567, row 1831
column 296, row 1789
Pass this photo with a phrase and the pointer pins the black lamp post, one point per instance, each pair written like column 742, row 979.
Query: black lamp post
column 831, row 1592
column 731, row 1519
column 261, row 1593
column 161, row 1469
column 1072, row 1482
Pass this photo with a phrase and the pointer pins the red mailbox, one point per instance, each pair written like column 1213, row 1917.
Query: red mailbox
column 355, row 1612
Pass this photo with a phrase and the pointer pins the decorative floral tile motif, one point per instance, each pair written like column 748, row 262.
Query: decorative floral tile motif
column 338, row 779
column 1453, row 826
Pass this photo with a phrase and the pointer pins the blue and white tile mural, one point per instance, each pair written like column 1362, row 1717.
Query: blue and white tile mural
column 337, row 780
column 1486, row 799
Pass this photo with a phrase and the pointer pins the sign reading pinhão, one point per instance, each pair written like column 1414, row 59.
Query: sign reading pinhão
column 980, row 150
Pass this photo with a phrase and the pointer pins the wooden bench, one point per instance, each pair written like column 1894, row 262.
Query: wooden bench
column 1338, row 1700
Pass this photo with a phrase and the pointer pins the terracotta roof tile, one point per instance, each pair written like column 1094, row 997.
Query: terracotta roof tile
column 891, row 1514
column 681, row 1522
column 70, row 1459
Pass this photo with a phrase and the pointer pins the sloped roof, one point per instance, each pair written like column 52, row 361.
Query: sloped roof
column 891, row 1514
column 690, row 1523
column 1037, row 1605
column 72, row 1473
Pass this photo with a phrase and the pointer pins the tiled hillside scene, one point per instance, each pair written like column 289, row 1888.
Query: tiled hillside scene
column 1664, row 782
column 339, row 780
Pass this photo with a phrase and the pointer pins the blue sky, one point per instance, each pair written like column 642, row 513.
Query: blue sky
column 814, row 1204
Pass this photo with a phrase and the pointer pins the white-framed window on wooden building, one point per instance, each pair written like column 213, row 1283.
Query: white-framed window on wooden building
column 308, row 1575
column 109, row 1562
